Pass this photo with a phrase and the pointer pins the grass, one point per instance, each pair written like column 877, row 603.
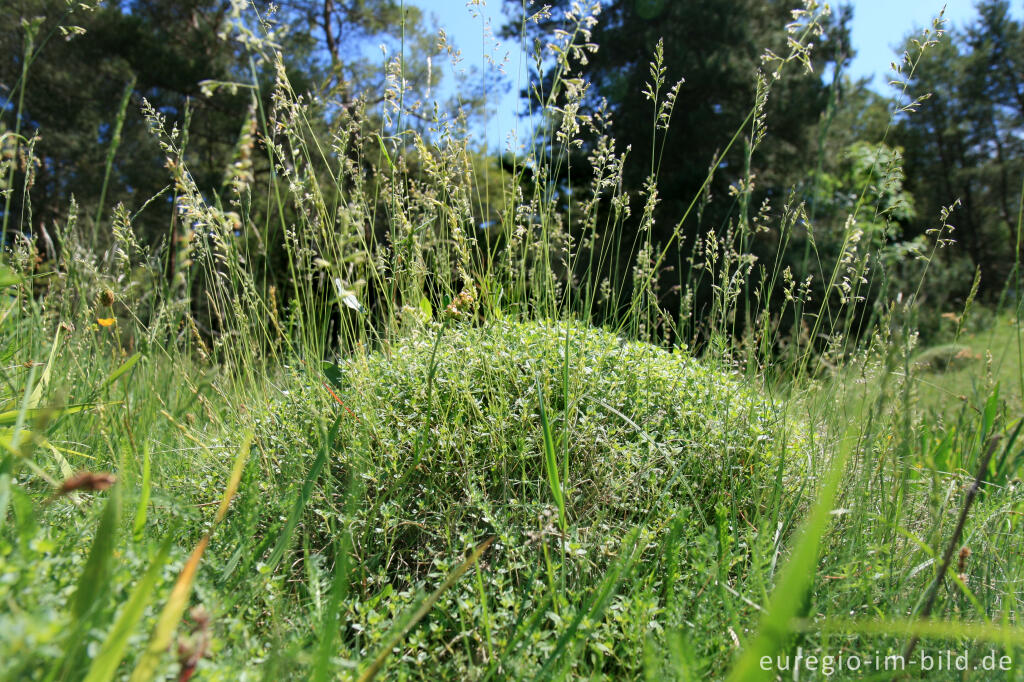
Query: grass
column 982, row 359
column 481, row 480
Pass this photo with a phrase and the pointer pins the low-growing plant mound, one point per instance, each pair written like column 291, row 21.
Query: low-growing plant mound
column 454, row 447
column 573, row 448
column 444, row 434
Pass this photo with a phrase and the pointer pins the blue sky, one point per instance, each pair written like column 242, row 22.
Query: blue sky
column 878, row 27
column 501, row 65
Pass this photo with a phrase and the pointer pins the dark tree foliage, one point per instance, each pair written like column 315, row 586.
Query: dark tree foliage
column 73, row 90
column 163, row 51
column 966, row 141
column 716, row 46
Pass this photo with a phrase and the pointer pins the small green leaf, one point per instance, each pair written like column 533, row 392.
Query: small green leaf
column 140, row 509
column 120, row 371
column 8, row 276
column 333, row 373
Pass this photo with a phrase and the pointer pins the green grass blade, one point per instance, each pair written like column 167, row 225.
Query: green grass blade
column 121, row 370
column 18, row 417
column 795, row 579
column 95, row 577
column 681, row 656
column 44, row 379
column 384, row 150
column 105, row 665
column 115, row 142
column 284, row 539
column 939, row 629
column 11, row 416
column 236, row 476
column 170, row 616
column 339, row 583
column 174, row 609
column 140, row 510
column 550, row 459
column 8, row 277
column 401, row 629
column 5, row 496
column 598, row 602
column 329, row 628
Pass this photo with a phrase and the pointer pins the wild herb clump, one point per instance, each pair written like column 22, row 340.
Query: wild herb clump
column 569, row 447
column 636, row 429
column 447, row 430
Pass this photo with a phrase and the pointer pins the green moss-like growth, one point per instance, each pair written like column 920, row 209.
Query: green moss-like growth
column 446, row 449
column 645, row 431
